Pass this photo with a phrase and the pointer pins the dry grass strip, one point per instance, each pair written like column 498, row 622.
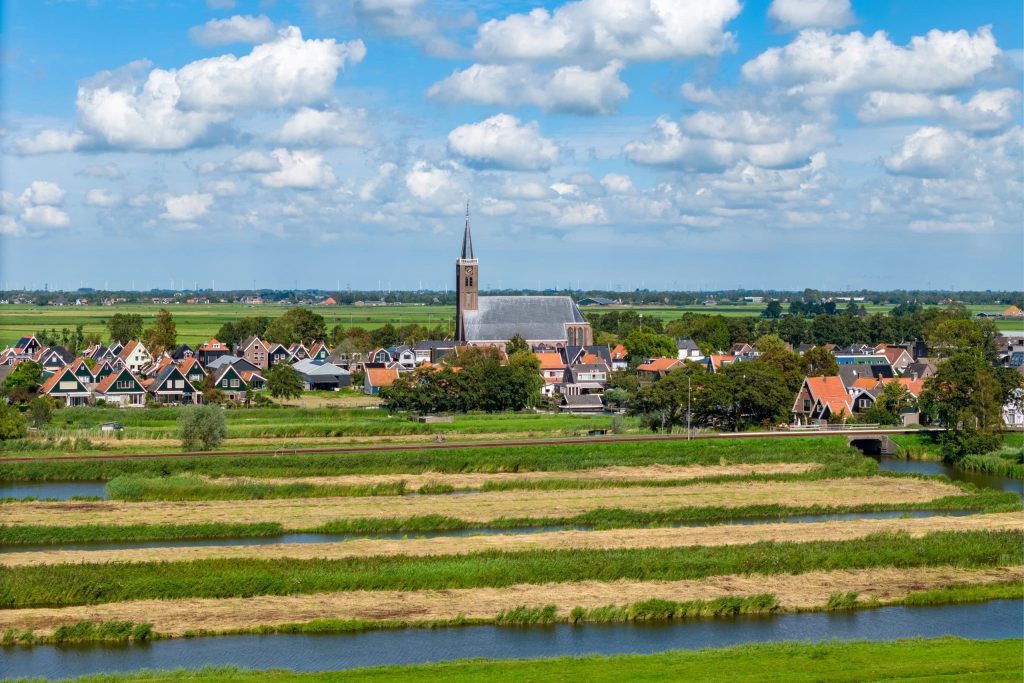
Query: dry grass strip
column 803, row 591
column 725, row 534
column 306, row 513
column 476, row 480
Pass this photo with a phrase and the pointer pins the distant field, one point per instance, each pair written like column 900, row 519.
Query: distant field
column 198, row 322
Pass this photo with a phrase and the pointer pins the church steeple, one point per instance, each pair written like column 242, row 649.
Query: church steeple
column 467, row 239
column 467, row 282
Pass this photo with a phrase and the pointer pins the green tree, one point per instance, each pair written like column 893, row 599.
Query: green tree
column 516, row 344
column 772, row 310
column 758, row 395
column 967, row 397
column 23, row 382
column 788, row 364
column 283, row 381
column 770, row 342
column 40, row 411
column 297, row 325
column 12, row 424
column 163, row 335
column 202, row 428
column 644, row 345
column 820, row 362
column 384, row 336
column 124, row 327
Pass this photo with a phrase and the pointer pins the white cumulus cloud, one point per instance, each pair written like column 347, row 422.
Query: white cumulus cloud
column 176, row 108
column 818, row 62
column 502, row 142
column 929, row 152
column 428, row 182
column 571, row 89
column 600, row 30
column 326, row 128
column 104, row 199
column 616, row 183
column 187, row 207
column 235, row 29
column 42, row 192
column 50, row 141
column 300, row 169
column 45, row 216
column 791, row 15
column 986, row 111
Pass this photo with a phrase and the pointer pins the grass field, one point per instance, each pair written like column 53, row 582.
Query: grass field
column 939, row 659
column 198, row 322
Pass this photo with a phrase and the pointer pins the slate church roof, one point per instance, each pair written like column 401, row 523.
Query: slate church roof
column 536, row 318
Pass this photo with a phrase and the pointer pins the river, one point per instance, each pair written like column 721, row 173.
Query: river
column 991, row 620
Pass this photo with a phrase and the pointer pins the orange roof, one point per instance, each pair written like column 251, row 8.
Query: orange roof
column 914, row 386
column 865, row 383
column 381, row 377
column 1012, row 311
column 128, row 348
column 717, row 360
column 892, row 354
column 247, row 376
column 830, row 391
column 52, row 380
column 830, row 346
column 329, row 301
column 590, row 359
column 79, row 362
column 213, row 345
column 109, row 380
column 186, row 365
column 550, row 361
column 658, row 365
column 619, row 352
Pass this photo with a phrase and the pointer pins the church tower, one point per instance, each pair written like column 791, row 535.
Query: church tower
column 467, row 281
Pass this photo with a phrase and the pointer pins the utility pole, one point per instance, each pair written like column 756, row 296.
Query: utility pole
column 689, row 430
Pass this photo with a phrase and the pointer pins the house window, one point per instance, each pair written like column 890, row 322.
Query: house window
column 234, row 383
column 807, row 405
column 124, row 384
column 865, row 403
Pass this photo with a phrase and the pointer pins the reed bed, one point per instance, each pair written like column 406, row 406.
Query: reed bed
column 89, row 584
column 185, row 487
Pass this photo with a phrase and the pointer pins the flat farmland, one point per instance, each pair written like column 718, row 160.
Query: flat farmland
column 198, row 322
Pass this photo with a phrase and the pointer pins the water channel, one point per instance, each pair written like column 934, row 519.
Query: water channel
column 992, row 620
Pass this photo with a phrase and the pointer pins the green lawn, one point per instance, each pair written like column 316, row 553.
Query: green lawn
column 941, row 659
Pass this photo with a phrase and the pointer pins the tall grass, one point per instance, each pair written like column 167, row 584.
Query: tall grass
column 185, row 487
column 832, row 451
column 601, row 518
column 86, row 584
column 998, row 465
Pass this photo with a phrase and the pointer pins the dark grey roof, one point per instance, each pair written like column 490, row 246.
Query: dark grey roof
column 241, row 364
column 179, row 353
column 597, row 301
column 536, row 318
column 602, row 352
column 687, row 344
column 319, row 368
column 467, row 239
column 431, row 344
column 584, row 401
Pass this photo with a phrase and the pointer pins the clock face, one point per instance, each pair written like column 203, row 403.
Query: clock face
column 469, row 270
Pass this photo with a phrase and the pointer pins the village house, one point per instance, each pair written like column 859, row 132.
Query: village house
column 687, row 349
column 654, row 369
column 134, row 356
column 256, row 351
column 169, row 385
column 65, row 387
column 376, row 378
column 821, row 398
column 122, row 388
column 211, row 350
column 320, row 375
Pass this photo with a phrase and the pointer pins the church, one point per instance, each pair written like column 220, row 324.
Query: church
column 553, row 321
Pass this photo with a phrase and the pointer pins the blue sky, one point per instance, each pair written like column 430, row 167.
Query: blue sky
column 694, row 144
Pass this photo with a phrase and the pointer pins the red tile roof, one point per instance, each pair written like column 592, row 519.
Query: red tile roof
column 550, row 360
column 619, row 352
column 831, row 392
column 381, row 377
column 718, row 360
column 213, row 345
column 659, row 365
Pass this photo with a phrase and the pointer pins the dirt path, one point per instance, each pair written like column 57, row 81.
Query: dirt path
column 803, row 591
column 726, row 534
column 476, row 480
column 306, row 513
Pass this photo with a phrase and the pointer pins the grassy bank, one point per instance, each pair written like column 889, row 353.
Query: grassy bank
column 575, row 456
column 941, row 658
column 1007, row 462
column 604, row 518
column 182, row 487
column 87, row 584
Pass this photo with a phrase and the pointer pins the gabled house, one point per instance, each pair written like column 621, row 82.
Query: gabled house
column 319, row 351
column 54, row 357
column 432, row 350
column 171, row 386
column 102, row 370
column 403, row 355
column 182, row 352
column 920, row 369
column 64, row 386
column 620, row 357
column 277, row 353
column 375, row 378
column 804, row 348
column 717, row 361
column 298, row 351
column 899, row 358
column 319, row 375
column 229, row 380
column 27, row 346
column 123, row 388
column 552, row 369
column 743, row 350
column 134, row 356
column 654, row 369
column 254, row 380
column 193, row 370
column 254, row 350
column 821, row 398
column 83, row 373
column 687, row 349
column 379, row 355
column 240, row 364
column 584, row 379
column 210, row 350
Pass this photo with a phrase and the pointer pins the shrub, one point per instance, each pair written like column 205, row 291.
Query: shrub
column 12, row 424
column 202, row 428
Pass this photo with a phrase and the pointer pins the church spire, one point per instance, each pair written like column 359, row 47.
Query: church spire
column 467, row 238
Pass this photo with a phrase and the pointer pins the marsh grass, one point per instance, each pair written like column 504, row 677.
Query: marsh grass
column 85, row 584
column 39, row 535
column 83, row 632
column 186, row 487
